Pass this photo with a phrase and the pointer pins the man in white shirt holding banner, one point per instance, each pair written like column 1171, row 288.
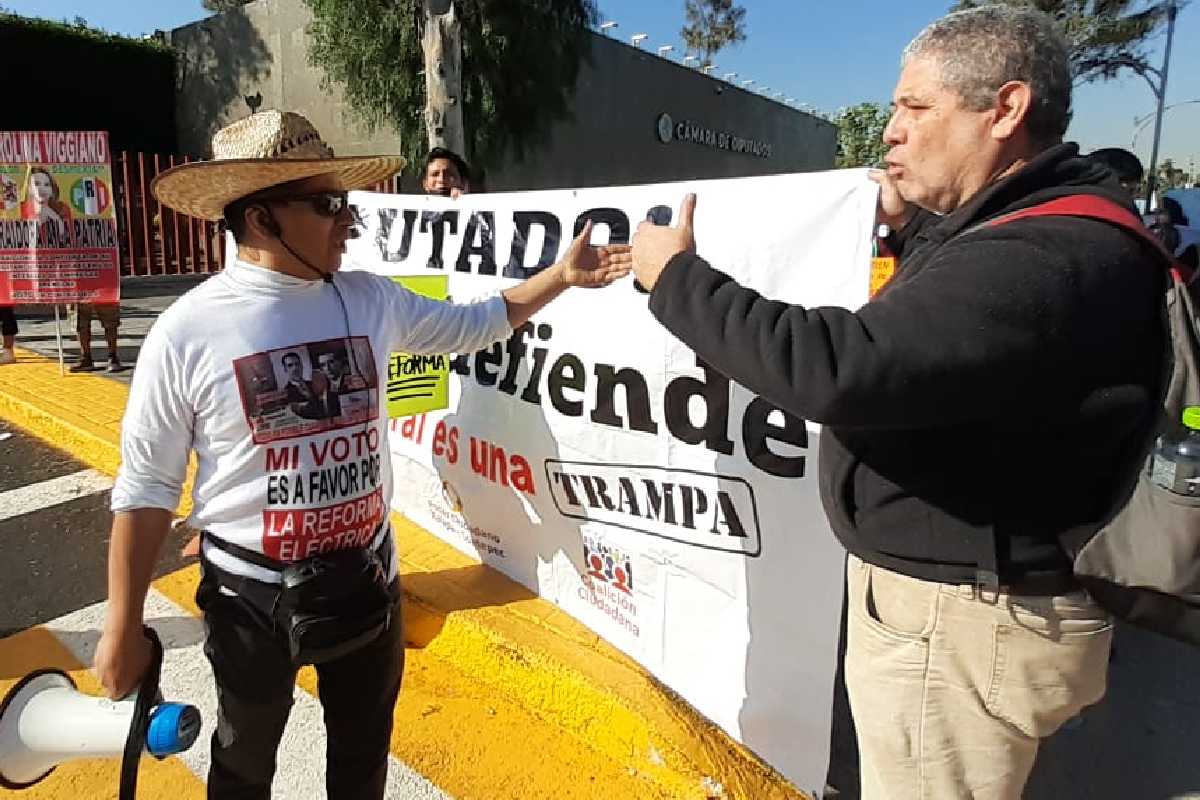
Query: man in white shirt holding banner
column 297, row 554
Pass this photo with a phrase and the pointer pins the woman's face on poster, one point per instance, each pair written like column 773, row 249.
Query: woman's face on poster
column 41, row 187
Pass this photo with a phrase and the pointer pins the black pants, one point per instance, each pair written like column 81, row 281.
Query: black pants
column 8, row 321
column 255, row 678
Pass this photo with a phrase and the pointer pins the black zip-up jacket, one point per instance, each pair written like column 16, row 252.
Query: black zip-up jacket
column 985, row 401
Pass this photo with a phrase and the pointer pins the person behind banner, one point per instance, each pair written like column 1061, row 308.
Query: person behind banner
column 446, row 173
column 297, row 555
column 986, row 401
column 42, row 202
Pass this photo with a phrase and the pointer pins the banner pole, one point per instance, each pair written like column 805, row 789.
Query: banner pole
column 58, row 336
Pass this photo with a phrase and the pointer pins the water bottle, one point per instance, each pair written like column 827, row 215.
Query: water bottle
column 1176, row 464
column 883, row 261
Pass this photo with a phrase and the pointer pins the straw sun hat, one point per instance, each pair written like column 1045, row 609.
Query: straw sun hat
column 256, row 153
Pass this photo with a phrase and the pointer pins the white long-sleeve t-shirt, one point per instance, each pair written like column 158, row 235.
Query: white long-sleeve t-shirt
column 278, row 393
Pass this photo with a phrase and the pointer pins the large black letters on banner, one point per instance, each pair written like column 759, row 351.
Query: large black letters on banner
column 523, row 222
column 714, row 390
column 614, row 218
column 637, row 398
column 482, row 224
column 387, row 216
column 436, row 221
column 757, row 429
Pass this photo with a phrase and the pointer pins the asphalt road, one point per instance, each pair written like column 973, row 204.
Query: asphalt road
column 52, row 557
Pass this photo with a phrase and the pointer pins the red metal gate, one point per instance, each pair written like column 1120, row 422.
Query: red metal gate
column 155, row 240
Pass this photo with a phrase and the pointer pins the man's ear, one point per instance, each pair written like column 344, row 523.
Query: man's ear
column 1014, row 101
column 260, row 220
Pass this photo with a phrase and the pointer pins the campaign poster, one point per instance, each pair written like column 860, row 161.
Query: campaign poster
column 58, row 226
column 419, row 383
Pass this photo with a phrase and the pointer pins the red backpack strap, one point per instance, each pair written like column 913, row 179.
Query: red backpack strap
column 1090, row 206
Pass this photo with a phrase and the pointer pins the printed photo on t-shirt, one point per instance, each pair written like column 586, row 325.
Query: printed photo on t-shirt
column 308, row 388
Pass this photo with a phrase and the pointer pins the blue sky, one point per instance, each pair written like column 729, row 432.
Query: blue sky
column 826, row 54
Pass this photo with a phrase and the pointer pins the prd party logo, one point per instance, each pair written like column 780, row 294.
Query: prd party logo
column 607, row 564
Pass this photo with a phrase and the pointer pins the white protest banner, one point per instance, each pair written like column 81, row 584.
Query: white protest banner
column 592, row 459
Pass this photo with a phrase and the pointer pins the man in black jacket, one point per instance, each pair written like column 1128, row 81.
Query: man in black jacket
column 984, row 403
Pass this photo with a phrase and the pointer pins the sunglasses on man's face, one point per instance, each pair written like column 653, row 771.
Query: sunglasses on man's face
column 325, row 204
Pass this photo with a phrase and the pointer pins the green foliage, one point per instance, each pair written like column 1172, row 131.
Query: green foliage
column 860, row 135
column 520, row 61
column 712, row 25
column 77, row 31
column 1105, row 36
column 84, row 79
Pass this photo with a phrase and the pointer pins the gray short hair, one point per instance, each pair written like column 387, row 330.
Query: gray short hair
column 981, row 49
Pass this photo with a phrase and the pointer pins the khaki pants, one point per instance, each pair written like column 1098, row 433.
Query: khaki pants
column 951, row 689
column 82, row 314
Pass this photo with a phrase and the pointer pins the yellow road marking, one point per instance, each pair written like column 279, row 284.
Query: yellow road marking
column 507, row 688
column 97, row 779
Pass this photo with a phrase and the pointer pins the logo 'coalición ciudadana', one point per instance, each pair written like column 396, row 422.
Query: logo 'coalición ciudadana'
column 691, row 132
column 714, row 512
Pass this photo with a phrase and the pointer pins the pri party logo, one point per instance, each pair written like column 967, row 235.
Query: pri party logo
column 608, row 564
column 90, row 196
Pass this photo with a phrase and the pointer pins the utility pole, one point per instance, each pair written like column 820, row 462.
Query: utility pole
column 1151, row 176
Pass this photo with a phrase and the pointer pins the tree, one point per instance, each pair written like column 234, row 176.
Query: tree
column 860, row 135
column 1104, row 36
column 712, row 25
column 220, row 6
column 520, row 61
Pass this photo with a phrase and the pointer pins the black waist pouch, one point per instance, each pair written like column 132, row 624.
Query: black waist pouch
column 327, row 606
column 332, row 605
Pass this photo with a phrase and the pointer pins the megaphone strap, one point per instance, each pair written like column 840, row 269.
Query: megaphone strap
column 147, row 697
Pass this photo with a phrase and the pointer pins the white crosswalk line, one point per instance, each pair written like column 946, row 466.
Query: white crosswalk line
column 186, row 678
column 53, row 492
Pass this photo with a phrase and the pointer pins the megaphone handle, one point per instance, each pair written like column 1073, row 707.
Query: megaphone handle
column 147, row 696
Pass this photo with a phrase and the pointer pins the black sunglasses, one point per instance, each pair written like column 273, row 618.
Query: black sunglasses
column 326, row 204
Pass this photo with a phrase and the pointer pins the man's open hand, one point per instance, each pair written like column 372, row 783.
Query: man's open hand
column 593, row 267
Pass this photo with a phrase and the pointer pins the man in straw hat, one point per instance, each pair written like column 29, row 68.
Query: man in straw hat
column 291, row 504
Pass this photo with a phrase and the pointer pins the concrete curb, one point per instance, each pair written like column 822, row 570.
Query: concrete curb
column 471, row 618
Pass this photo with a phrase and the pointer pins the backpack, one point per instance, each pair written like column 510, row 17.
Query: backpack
column 1142, row 563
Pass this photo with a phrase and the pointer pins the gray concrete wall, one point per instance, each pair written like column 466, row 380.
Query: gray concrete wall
column 261, row 48
column 612, row 137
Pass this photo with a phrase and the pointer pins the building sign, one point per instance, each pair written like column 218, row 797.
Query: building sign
column 58, row 228
column 688, row 131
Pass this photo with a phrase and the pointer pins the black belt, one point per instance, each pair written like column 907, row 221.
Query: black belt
column 265, row 594
column 1047, row 585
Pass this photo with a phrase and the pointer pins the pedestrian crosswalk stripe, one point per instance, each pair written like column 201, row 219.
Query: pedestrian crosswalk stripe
column 56, row 491
column 187, row 678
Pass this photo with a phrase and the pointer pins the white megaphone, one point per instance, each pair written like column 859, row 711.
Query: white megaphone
column 45, row 721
